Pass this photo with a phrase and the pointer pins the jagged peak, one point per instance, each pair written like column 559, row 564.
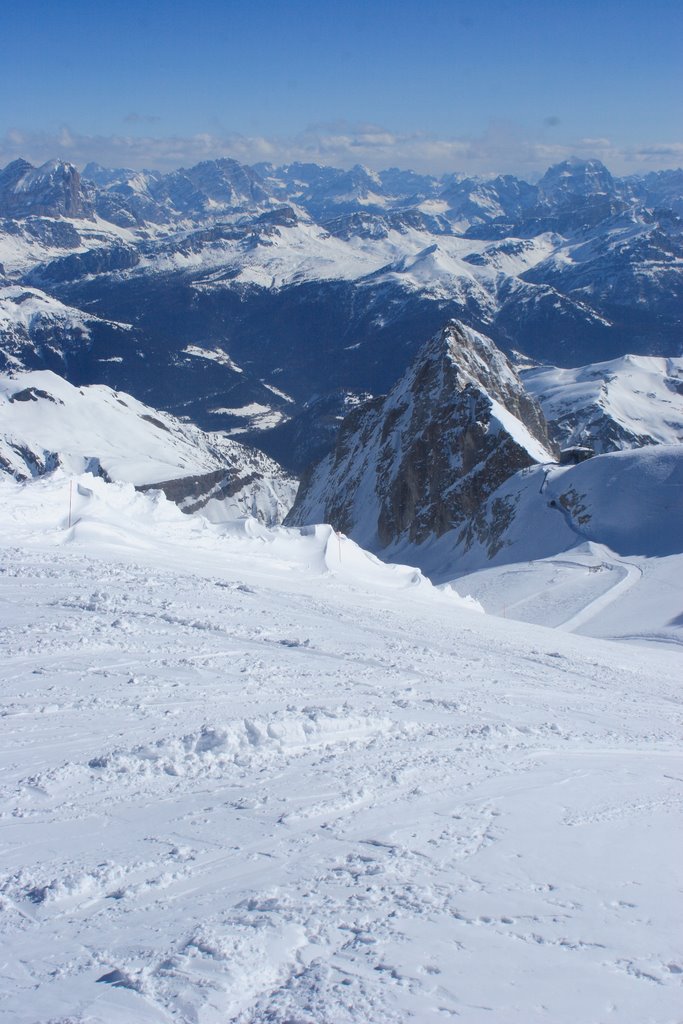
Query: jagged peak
column 471, row 358
column 423, row 460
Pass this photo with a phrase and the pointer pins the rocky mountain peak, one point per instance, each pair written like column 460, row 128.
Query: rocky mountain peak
column 52, row 190
column 212, row 184
column 423, row 460
column 575, row 177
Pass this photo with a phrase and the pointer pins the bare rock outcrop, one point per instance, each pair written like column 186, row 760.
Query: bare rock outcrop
column 423, row 460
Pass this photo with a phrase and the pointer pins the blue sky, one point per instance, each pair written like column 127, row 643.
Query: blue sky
column 480, row 87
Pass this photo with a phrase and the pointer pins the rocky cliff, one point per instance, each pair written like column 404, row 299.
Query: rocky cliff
column 52, row 190
column 423, row 460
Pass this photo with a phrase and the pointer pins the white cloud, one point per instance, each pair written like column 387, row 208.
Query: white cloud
column 503, row 148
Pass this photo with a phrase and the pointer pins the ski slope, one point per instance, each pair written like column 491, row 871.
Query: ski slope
column 595, row 548
column 256, row 775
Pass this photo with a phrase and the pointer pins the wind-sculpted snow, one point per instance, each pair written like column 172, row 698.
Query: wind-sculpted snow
column 214, row 749
column 254, row 775
column 65, row 510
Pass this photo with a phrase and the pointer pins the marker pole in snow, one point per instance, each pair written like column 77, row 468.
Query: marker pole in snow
column 71, row 487
column 339, row 537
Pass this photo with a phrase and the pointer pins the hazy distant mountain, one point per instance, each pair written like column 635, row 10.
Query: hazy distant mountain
column 53, row 190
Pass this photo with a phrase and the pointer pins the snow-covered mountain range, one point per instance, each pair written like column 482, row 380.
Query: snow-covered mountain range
column 268, row 303
column 251, row 294
column 251, row 772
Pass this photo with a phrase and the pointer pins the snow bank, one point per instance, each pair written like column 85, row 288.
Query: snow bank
column 115, row 516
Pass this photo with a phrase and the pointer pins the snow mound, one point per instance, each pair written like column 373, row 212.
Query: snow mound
column 87, row 511
column 213, row 748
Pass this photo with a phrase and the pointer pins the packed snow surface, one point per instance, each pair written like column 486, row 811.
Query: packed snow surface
column 256, row 775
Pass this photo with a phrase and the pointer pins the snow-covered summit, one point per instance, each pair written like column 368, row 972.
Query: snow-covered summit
column 53, row 189
column 575, row 177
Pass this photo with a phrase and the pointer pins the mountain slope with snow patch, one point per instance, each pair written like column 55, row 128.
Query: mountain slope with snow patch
column 596, row 547
column 624, row 403
column 45, row 421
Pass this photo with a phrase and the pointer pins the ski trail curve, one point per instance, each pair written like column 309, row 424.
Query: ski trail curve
column 593, row 608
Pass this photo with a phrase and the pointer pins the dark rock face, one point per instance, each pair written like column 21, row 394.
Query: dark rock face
column 33, row 395
column 52, row 190
column 425, row 459
column 193, row 492
column 36, row 463
column 78, row 265
column 57, row 233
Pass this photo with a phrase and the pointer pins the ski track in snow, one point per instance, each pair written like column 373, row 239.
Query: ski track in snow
column 632, row 573
column 236, row 791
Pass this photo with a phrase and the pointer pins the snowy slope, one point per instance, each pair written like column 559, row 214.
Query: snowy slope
column 37, row 328
column 45, row 421
column 596, row 548
column 624, row 403
column 28, row 243
column 255, row 776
